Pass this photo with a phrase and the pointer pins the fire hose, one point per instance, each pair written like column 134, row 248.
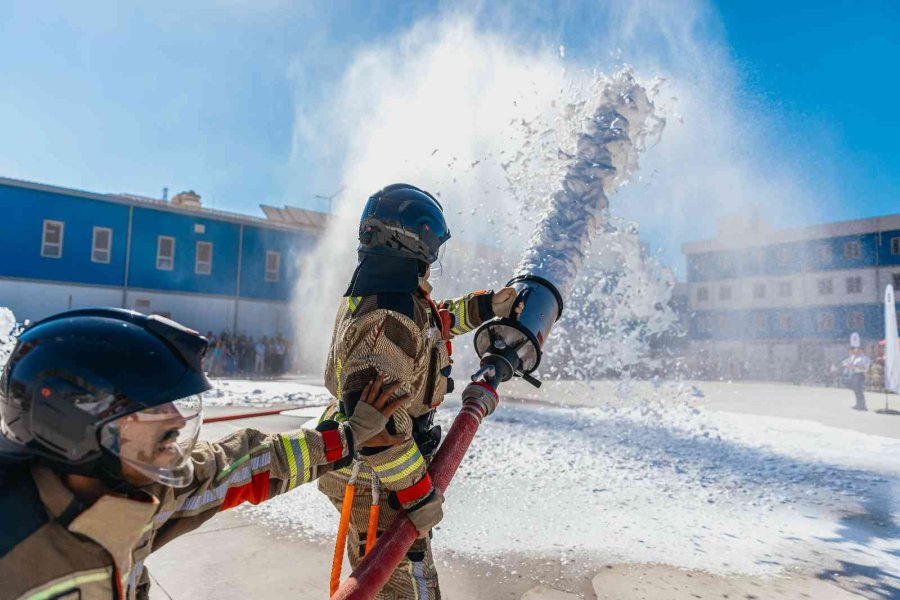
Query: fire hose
column 376, row 567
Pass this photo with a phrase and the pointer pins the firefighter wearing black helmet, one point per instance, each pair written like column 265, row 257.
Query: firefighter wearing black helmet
column 100, row 411
column 388, row 324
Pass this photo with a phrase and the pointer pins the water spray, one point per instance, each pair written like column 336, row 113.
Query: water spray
column 605, row 156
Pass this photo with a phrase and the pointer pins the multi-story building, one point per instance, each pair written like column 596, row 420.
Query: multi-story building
column 783, row 303
column 209, row 269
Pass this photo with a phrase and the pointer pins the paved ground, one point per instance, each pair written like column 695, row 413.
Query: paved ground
column 235, row 557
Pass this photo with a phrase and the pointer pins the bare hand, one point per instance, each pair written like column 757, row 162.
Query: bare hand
column 381, row 399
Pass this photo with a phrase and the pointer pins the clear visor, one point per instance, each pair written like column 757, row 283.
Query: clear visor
column 437, row 267
column 157, row 442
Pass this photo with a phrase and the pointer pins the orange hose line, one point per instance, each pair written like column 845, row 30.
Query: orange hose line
column 341, row 540
column 372, row 532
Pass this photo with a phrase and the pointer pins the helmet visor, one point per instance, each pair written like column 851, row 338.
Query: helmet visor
column 157, row 442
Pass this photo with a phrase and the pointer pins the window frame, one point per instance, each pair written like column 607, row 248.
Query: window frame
column 826, row 283
column 855, row 279
column 784, row 255
column 786, row 321
column 760, row 291
column 725, row 293
column 45, row 243
column 785, row 285
column 273, row 276
column 761, row 322
column 895, row 246
column 171, row 258
column 826, row 319
column 852, row 316
column 94, row 248
column 198, row 262
column 855, row 254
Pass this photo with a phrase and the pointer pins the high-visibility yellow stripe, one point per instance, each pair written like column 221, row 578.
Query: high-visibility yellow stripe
column 346, row 471
column 292, row 461
column 353, row 302
column 405, row 472
column 460, row 311
column 70, row 583
column 304, row 450
column 398, row 461
column 338, row 369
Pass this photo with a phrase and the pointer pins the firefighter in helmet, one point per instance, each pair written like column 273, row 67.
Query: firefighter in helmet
column 100, row 411
column 388, row 324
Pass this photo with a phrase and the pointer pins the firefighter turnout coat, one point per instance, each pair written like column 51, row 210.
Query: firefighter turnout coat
column 52, row 547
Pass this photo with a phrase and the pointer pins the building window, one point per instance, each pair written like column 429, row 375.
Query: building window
column 759, row 291
column 854, row 285
column 165, row 253
column 762, row 323
column 702, row 294
column 725, row 292
column 724, row 263
column 826, row 322
column 786, row 321
column 101, row 246
column 853, row 249
column 826, row 254
column 896, row 279
column 273, row 261
column 203, row 259
column 895, row 246
column 785, row 289
column 784, row 256
column 826, row 287
column 52, row 239
column 856, row 320
column 722, row 323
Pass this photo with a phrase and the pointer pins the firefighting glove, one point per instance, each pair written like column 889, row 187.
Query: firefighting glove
column 427, row 513
column 482, row 394
column 502, row 302
column 366, row 423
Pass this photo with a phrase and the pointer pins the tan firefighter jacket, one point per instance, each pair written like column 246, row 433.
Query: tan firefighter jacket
column 385, row 333
column 55, row 550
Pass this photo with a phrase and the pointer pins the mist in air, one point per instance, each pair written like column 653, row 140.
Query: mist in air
column 484, row 116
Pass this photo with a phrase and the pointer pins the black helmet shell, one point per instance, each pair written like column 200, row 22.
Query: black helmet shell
column 74, row 371
column 403, row 221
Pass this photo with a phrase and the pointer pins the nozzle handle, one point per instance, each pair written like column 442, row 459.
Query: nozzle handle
column 533, row 381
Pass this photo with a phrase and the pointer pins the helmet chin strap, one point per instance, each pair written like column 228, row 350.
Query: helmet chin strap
column 106, row 467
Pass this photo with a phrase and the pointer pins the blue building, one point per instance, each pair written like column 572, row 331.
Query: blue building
column 211, row 270
column 777, row 301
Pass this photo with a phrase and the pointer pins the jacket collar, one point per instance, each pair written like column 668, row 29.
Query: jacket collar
column 114, row 522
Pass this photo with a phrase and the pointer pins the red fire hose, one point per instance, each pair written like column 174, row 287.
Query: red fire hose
column 376, row 567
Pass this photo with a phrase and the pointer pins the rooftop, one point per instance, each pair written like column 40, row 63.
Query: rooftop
column 288, row 218
column 741, row 232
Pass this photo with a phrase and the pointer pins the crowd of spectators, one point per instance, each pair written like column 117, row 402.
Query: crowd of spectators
column 241, row 355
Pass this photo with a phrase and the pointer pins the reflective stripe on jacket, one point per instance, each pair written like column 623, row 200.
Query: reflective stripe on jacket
column 98, row 553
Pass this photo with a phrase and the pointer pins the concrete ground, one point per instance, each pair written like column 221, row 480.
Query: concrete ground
column 233, row 556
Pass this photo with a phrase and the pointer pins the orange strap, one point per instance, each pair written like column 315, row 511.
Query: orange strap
column 445, row 321
column 372, row 532
column 341, row 540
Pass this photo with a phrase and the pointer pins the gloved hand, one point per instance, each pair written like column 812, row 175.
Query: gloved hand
column 482, row 393
column 502, row 303
column 427, row 514
column 375, row 407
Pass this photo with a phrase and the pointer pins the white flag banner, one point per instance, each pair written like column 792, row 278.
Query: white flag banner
column 891, row 348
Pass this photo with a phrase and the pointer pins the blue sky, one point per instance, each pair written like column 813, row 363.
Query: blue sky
column 134, row 97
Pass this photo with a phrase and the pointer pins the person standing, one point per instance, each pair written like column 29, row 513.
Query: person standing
column 387, row 323
column 856, row 366
column 259, row 365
